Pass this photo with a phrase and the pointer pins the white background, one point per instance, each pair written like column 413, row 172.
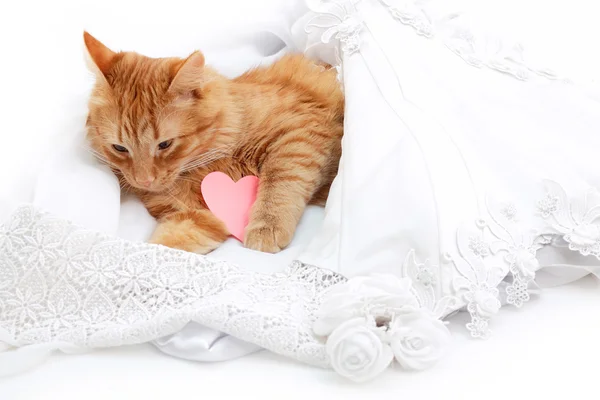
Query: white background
column 550, row 348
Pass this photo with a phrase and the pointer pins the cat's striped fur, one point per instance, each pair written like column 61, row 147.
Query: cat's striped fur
column 283, row 123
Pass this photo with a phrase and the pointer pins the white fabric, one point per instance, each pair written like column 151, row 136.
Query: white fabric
column 441, row 158
column 470, row 156
column 196, row 342
column 67, row 288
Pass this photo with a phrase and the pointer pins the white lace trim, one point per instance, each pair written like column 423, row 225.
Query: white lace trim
column 337, row 22
column 70, row 288
column 340, row 20
column 501, row 250
column 576, row 220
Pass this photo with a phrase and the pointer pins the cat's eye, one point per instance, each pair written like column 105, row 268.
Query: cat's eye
column 165, row 145
column 120, row 148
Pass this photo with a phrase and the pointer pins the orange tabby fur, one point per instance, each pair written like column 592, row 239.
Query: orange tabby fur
column 282, row 123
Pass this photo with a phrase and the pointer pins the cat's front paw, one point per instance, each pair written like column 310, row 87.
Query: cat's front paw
column 268, row 239
column 183, row 241
column 184, row 234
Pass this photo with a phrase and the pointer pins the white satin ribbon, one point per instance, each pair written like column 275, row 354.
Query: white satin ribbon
column 196, row 342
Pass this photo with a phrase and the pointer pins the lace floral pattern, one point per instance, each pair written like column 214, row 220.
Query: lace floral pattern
column 502, row 248
column 62, row 284
column 429, row 284
column 340, row 20
column 577, row 221
column 411, row 13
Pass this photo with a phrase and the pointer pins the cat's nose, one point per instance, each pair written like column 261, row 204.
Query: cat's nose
column 147, row 181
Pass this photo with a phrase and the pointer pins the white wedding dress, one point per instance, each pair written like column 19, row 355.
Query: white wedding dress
column 464, row 168
column 456, row 151
column 438, row 120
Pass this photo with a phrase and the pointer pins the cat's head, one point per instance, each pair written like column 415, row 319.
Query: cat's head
column 151, row 119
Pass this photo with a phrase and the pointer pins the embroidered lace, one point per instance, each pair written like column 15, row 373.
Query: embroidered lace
column 60, row 284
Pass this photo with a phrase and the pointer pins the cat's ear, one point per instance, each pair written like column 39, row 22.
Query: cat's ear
column 99, row 57
column 188, row 75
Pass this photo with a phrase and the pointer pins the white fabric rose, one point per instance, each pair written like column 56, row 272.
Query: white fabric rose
column 417, row 339
column 584, row 235
column 356, row 351
column 375, row 294
column 335, row 310
column 369, row 319
column 526, row 262
column 486, row 303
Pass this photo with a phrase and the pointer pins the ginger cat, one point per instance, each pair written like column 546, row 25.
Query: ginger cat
column 163, row 124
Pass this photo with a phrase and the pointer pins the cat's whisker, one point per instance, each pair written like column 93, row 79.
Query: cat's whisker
column 216, row 150
column 172, row 196
column 123, row 184
column 88, row 148
column 106, row 162
column 190, row 180
column 201, row 164
column 99, row 156
column 205, row 159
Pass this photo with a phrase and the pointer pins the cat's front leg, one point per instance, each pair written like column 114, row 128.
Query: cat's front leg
column 197, row 231
column 288, row 180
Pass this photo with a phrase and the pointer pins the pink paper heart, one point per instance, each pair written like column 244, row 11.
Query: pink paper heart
column 230, row 201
